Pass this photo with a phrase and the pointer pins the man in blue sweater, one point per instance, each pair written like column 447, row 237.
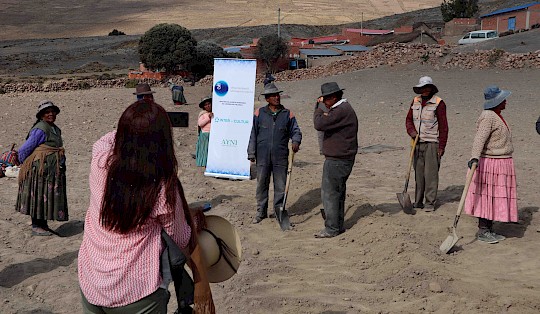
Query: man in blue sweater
column 273, row 127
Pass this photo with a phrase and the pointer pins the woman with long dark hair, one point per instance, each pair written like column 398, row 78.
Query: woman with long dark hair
column 134, row 194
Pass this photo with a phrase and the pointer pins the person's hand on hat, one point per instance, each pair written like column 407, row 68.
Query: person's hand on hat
column 198, row 218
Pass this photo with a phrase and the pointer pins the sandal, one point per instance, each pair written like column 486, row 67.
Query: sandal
column 44, row 233
column 323, row 234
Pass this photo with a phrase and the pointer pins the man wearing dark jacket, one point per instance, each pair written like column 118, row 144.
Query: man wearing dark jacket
column 340, row 145
column 273, row 126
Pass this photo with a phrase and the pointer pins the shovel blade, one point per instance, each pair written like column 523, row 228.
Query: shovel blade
column 449, row 242
column 405, row 201
column 283, row 218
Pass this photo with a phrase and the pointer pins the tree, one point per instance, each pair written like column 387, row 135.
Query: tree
column 167, row 46
column 203, row 62
column 458, row 8
column 270, row 49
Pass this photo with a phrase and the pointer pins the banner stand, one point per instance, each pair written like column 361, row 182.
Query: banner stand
column 233, row 98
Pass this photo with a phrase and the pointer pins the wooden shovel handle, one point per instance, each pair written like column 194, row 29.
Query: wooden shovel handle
column 289, row 172
column 410, row 162
column 464, row 193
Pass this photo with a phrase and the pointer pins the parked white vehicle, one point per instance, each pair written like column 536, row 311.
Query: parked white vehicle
column 478, row 36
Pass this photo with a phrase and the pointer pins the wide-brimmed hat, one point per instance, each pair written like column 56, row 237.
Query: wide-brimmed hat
column 330, row 88
column 271, row 88
column 44, row 104
column 425, row 81
column 143, row 89
column 221, row 248
column 494, row 96
column 204, row 100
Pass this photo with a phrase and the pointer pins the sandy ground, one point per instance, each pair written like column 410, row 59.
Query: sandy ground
column 386, row 261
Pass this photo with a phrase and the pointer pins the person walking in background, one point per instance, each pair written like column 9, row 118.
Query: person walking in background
column 134, row 195
column 177, row 92
column 492, row 195
column 427, row 118
column 42, row 177
column 340, row 145
column 273, row 127
column 268, row 78
column 204, row 123
column 143, row 91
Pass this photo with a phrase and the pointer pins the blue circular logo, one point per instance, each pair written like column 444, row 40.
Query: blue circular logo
column 221, row 88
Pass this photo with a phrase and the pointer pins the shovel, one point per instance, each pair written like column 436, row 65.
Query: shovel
column 453, row 238
column 282, row 215
column 404, row 198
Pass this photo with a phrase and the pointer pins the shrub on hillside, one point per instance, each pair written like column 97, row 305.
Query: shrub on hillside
column 116, row 32
column 458, row 8
column 131, row 83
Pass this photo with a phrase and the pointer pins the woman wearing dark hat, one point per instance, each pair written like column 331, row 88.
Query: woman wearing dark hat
column 42, row 178
column 143, row 91
column 204, row 123
column 492, row 193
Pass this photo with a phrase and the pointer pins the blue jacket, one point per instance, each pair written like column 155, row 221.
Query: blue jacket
column 270, row 134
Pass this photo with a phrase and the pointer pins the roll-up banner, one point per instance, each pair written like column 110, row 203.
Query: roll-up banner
column 232, row 104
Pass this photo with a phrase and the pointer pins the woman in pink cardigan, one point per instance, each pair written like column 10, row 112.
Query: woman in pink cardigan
column 492, row 194
column 134, row 195
column 204, row 122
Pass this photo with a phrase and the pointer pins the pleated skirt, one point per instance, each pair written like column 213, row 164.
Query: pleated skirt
column 202, row 149
column 492, row 194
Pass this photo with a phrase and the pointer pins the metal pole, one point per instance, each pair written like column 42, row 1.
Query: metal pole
column 362, row 25
column 278, row 22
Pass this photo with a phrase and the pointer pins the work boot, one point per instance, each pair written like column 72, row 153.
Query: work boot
column 429, row 208
column 485, row 235
column 257, row 219
column 418, row 205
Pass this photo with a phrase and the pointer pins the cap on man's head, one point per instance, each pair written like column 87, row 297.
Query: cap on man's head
column 143, row 89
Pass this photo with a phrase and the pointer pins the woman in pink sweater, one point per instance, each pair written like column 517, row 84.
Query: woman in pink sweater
column 204, row 122
column 492, row 194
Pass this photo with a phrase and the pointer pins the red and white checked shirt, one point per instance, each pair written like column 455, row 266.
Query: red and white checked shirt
column 116, row 269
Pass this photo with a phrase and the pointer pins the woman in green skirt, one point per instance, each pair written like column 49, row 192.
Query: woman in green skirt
column 204, row 123
column 42, row 178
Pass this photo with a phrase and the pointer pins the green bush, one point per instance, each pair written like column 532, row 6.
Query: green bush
column 131, row 83
column 83, row 85
column 496, row 54
column 167, row 46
